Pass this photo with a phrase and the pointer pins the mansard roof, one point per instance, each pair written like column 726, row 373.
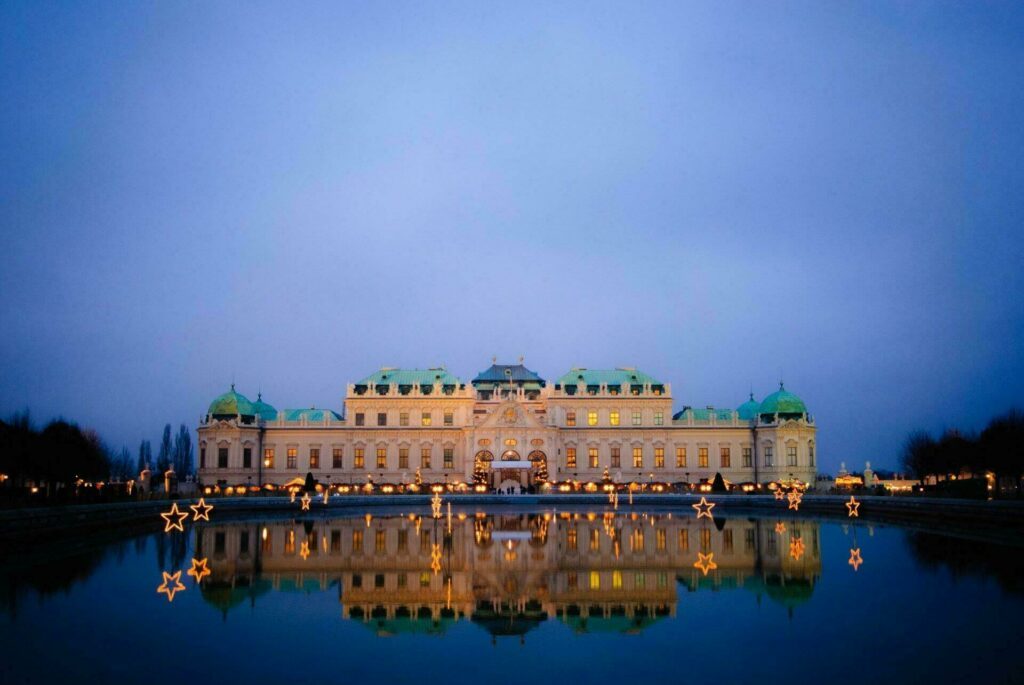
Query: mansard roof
column 311, row 415
column 703, row 414
column 389, row 375
column 502, row 373
column 621, row 376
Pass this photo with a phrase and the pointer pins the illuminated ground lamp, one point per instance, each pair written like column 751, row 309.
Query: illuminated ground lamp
column 174, row 513
column 172, row 583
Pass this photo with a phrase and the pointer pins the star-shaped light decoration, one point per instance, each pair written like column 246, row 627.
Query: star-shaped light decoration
column 851, row 507
column 704, row 508
column 174, row 513
column 794, row 500
column 705, row 562
column 796, row 549
column 435, row 505
column 304, row 550
column 305, row 501
column 435, row 558
column 201, row 511
column 780, row 527
column 855, row 560
column 172, row 583
column 779, row 494
column 199, row 570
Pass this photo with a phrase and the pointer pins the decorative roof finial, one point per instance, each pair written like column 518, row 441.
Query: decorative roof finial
column 521, row 358
column 494, row 359
column 781, row 386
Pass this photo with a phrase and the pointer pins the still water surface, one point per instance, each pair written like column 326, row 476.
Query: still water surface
column 509, row 596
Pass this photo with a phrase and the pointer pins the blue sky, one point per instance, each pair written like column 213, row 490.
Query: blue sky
column 722, row 194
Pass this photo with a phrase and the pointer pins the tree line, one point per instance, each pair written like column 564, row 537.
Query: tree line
column 999, row 448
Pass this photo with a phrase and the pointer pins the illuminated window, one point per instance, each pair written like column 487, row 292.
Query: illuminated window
column 449, row 458
column 357, row 540
column 382, row 457
column 636, row 540
column 613, row 417
column 592, row 418
column 360, row 418
column 659, row 418
column 336, row 458
column 570, row 539
column 314, row 458
column 616, row 457
column 595, row 580
column 293, row 457
column 289, row 542
column 662, row 579
column 636, row 418
column 268, row 458
column 638, row 457
column 684, row 540
column 659, row 457
column 382, row 418
column 570, row 457
column 702, row 457
column 511, row 442
column 359, row 460
column 617, row 580
column 570, row 418
column 592, row 457
column 791, row 456
column 748, row 458
column 403, row 418
column 403, row 541
column 725, row 457
column 222, row 457
column 449, row 418
column 246, row 457
column 380, row 544
column 660, row 540
column 403, row 457
column 268, row 543
column 425, row 457
column 705, row 540
column 680, row 457
column 769, row 456
column 425, row 579
column 425, row 418
column 595, row 540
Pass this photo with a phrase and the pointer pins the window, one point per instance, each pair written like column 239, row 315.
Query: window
column 660, row 540
column 425, row 457
column 357, row 580
column 613, row 417
column 572, row 579
column 314, row 458
column 636, row 540
column 449, row 457
column 592, row 457
column 382, row 418
column 246, row 457
column 222, row 457
column 616, row 457
column 570, row 418
column 403, row 418
column 591, row 418
column 357, row 540
column 403, row 581
column 403, row 457
column 810, row 454
column 725, row 457
column 403, row 541
column 202, row 457
column 748, row 458
column 748, row 540
column 359, row 461
column 684, row 540
column 769, row 456
column 336, row 456
column 424, row 541
column 638, row 457
column 449, row 418
column 636, row 418
column 570, row 457
column 617, row 579
column 382, row 457
column 360, row 418
column 425, row 579
column 659, row 457
column 659, row 418
column 380, row 543
column 705, row 539
column 639, row 581
column 268, row 458
column 335, row 541
column 702, row 457
column 727, row 540
column 680, row 457
column 791, row 455
column 595, row 580
column 425, row 418
column 595, row 540
column 570, row 539
column 378, row 581
column 293, row 457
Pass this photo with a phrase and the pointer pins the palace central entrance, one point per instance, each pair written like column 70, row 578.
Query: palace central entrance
column 512, row 469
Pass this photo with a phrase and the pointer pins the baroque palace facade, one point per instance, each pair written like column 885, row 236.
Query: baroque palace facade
column 511, row 427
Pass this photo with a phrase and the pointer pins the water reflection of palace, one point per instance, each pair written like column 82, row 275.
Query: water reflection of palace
column 508, row 573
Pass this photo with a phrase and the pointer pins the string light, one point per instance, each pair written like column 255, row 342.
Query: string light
column 172, row 583
column 794, row 500
column 704, row 508
column 855, row 559
column 435, row 505
column 779, row 494
column 780, row 527
column 435, row 558
column 304, row 550
column 705, row 562
column 305, row 501
column 201, row 511
column 199, row 570
column 852, row 506
column 174, row 513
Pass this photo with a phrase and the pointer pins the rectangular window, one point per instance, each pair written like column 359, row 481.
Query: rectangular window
column 727, row 540
column 748, row 540
column 425, row 579
column 616, row 579
column 425, row 457
column 636, row 418
column 572, row 579
column 357, row 541
column 636, row 540
column 382, row 418
column 336, row 458
column 725, row 457
column 246, row 457
column 705, row 540
column 403, row 581
column 425, row 418
column 748, row 458
column 449, row 418
column 403, row 541
column 702, row 457
column 595, row 580
column 380, row 542
column 684, row 540
column 570, row 418
column 424, row 541
column 382, row 457
column 268, row 458
column 570, row 457
column 570, row 539
column 293, row 457
column 222, row 457
column 791, row 456
column 378, row 581
column 616, row 458
column 769, row 456
column 403, row 418
column 314, row 458
column 267, row 543
column 202, row 457
column 613, row 417
column 360, row 418
column 659, row 457
column 660, row 540
column 810, row 454
column 592, row 457
column 640, row 581
column 449, row 458
column 591, row 418
column 638, row 457
column 680, row 457
column 403, row 457
column 659, row 418
column 359, row 460
column 595, row 540
column 335, row 542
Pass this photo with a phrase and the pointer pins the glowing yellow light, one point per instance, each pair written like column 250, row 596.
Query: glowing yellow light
column 201, row 511
column 368, row 518
column 435, row 505
column 174, row 513
column 327, row 495
column 304, row 550
column 852, row 506
column 704, row 508
column 779, row 494
column 705, row 562
column 199, row 570
column 855, row 559
column 796, row 549
column 780, row 527
column 435, row 558
column 794, row 500
column 291, row 496
column 305, row 501
column 264, row 533
column 175, row 584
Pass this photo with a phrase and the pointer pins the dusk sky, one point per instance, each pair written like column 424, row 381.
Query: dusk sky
column 723, row 195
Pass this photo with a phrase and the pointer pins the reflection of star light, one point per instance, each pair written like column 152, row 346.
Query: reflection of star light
column 169, row 590
column 705, row 562
column 201, row 511
column 780, row 527
column 305, row 502
column 304, row 550
column 435, row 558
column 327, row 495
column 199, row 570
column 174, row 513
column 704, row 508
column 796, row 549
column 779, row 494
column 855, row 561
column 794, row 500
column 291, row 496
column 852, row 506
column 435, row 505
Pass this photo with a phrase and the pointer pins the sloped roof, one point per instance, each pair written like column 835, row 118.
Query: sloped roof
column 621, row 376
column 703, row 414
column 311, row 415
column 231, row 403
column 498, row 373
column 387, row 375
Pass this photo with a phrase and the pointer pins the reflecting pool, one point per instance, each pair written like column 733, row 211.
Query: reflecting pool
column 513, row 596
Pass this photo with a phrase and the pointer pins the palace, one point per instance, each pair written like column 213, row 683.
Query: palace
column 509, row 428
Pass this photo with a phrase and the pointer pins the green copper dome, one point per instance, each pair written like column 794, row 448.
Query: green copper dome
column 748, row 410
column 782, row 402
column 264, row 410
column 231, row 403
